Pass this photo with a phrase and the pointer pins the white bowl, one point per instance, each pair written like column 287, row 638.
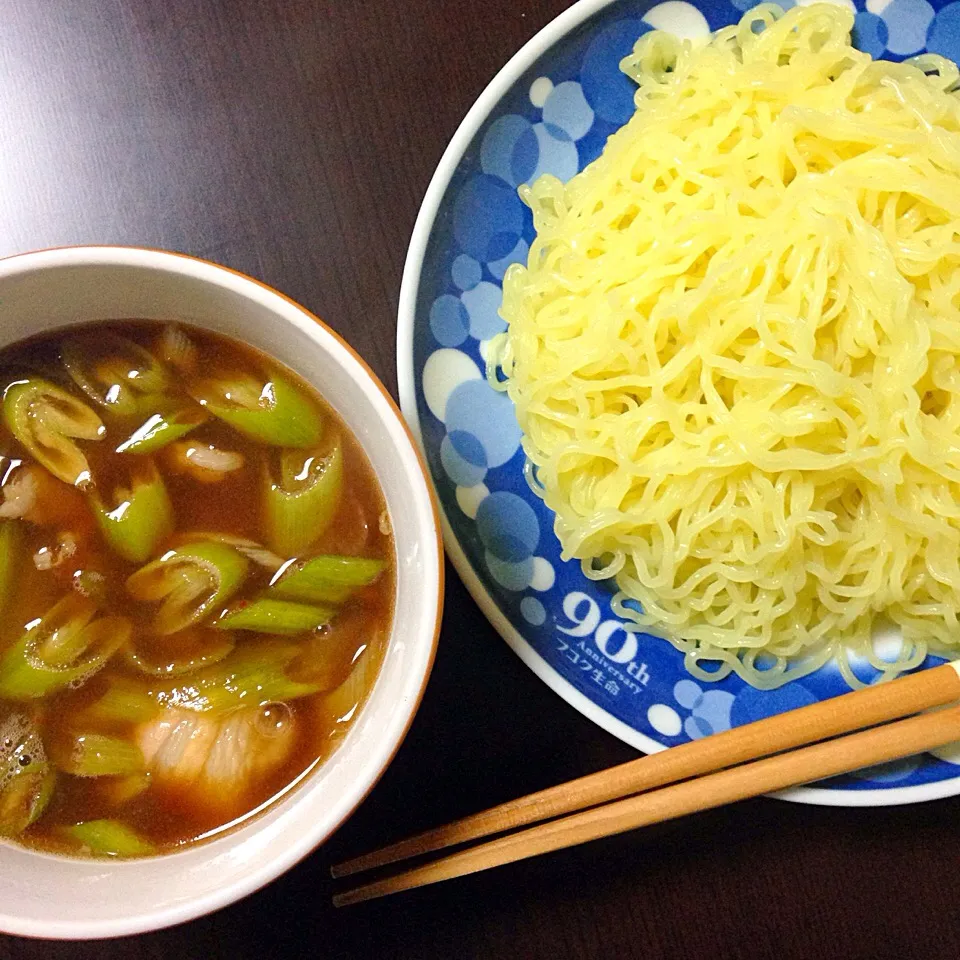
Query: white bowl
column 51, row 896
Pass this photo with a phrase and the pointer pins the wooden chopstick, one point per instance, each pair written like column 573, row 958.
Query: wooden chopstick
column 819, row 721
column 866, row 748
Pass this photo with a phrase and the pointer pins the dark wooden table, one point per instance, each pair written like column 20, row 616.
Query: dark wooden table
column 293, row 140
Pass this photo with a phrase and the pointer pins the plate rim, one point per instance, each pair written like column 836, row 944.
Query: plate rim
column 453, row 153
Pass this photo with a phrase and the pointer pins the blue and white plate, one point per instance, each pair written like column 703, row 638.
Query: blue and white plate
column 550, row 110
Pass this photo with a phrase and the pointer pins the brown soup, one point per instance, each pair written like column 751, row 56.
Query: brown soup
column 196, row 586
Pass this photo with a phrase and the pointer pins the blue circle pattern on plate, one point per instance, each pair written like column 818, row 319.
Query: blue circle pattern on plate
column 556, row 119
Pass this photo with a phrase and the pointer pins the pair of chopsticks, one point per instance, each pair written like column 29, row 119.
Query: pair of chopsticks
column 748, row 761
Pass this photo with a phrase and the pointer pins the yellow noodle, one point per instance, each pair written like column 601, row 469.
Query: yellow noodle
column 734, row 349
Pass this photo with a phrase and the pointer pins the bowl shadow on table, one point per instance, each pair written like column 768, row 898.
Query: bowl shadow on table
column 488, row 731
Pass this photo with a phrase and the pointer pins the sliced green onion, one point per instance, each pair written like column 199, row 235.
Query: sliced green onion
column 328, row 657
column 253, row 551
column 113, row 792
column 48, row 421
column 301, row 502
column 325, row 579
column 58, row 637
column 254, row 673
column 276, row 617
column 142, row 518
column 10, row 542
column 178, row 350
column 203, row 462
column 161, row 429
column 343, row 702
column 316, row 593
column 124, row 701
column 109, row 838
column 96, row 755
column 271, row 411
column 26, row 777
column 189, row 582
column 169, row 659
column 114, row 372
column 24, row 798
column 66, row 647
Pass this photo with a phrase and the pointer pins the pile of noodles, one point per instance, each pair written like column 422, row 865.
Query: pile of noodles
column 734, row 350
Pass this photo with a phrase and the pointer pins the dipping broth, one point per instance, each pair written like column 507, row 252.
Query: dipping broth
column 196, row 586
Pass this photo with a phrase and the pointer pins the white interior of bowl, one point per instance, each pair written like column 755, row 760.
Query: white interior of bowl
column 57, row 897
